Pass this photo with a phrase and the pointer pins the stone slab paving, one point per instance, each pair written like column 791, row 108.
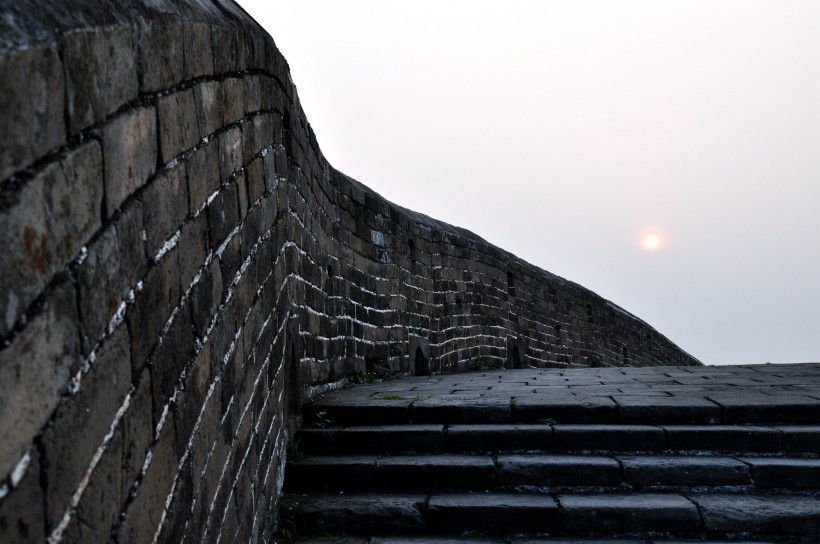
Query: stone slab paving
column 766, row 394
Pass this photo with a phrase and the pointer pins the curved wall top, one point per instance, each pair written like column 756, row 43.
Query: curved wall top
column 182, row 268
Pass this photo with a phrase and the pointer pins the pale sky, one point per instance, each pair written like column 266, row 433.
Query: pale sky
column 568, row 132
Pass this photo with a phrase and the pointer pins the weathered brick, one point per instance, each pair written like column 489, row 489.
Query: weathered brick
column 115, row 262
column 178, row 127
column 22, row 519
column 234, row 100
column 223, row 215
column 137, row 430
column 205, row 298
column 193, row 247
column 209, row 101
column 253, row 93
column 160, row 54
column 230, row 152
column 164, row 207
column 130, row 152
column 199, row 53
column 45, row 227
column 100, row 65
column 152, row 308
column 143, row 515
column 34, row 119
column 82, row 421
column 203, row 175
column 99, row 507
column 34, row 373
column 192, row 397
column 225, row 49
column 256, row 179
column 170, row 358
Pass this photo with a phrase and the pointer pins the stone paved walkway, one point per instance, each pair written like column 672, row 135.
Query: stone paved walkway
column 691, row 395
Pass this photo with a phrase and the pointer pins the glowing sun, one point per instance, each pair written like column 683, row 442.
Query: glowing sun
column 651, row 242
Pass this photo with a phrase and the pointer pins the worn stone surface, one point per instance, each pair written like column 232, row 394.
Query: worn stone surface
column 22, row 516
column 130, row 151
column 628, row 513
column 662, row 470
column 101, row 73
column 160, row 54
column 550, row 470
column 45, row 227
column 164, row 206
column 178, row 126
column 36, row 115
column 778, row 514
column 209, row 103
column 450, row 471
column 457, row 512
column 722, row 437
column 773, row 472
column 387, row 513
column 609, row 437
column 34, row 374
column 801, row 438
column 496, row 437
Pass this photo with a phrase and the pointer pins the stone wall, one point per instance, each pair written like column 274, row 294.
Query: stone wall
column 182, row 269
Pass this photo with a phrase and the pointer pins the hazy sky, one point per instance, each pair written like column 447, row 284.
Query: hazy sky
column 568, row 132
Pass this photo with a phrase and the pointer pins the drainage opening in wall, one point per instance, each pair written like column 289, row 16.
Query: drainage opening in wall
column 515, row 358
column 421, row 365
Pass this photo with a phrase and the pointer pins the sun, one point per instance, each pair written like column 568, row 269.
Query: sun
column 651, row 242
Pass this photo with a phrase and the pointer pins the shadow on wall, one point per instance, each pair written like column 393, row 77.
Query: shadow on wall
column 182, row 269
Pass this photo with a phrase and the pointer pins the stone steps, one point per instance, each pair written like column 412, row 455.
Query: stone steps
column 550, row 471
column 629, row 457
column 786, row 439
column 404, row 539
column 777, row 516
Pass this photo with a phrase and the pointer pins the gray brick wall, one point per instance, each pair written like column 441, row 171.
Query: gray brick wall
column 182, row 269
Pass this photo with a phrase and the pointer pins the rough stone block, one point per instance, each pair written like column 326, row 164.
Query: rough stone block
column 557, row 470
column 34, row 374
column 609, row 437
column 482, row 437
column 164, row 207
column 766, row 514
column 199, row 53
column 661, row 470
column 209, row 102
column 82, row 421
column 632, row 513
column 34, row 119
column 115, row 262
column 22, row 518
column 785, row 473
column 452, row 471
column 801, row 438
column 160, row 54
column 722, row 438
column 495, row 512
column 255, row 178
column 46, row 225
column 130, row 152
column 384, row 513
column 332, row 473
column 225, row 49
column 641, row 409
column 234, row 100
column 177, row 122
column 101, row 71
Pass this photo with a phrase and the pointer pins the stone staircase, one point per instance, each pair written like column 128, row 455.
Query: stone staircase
column 563, row 456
